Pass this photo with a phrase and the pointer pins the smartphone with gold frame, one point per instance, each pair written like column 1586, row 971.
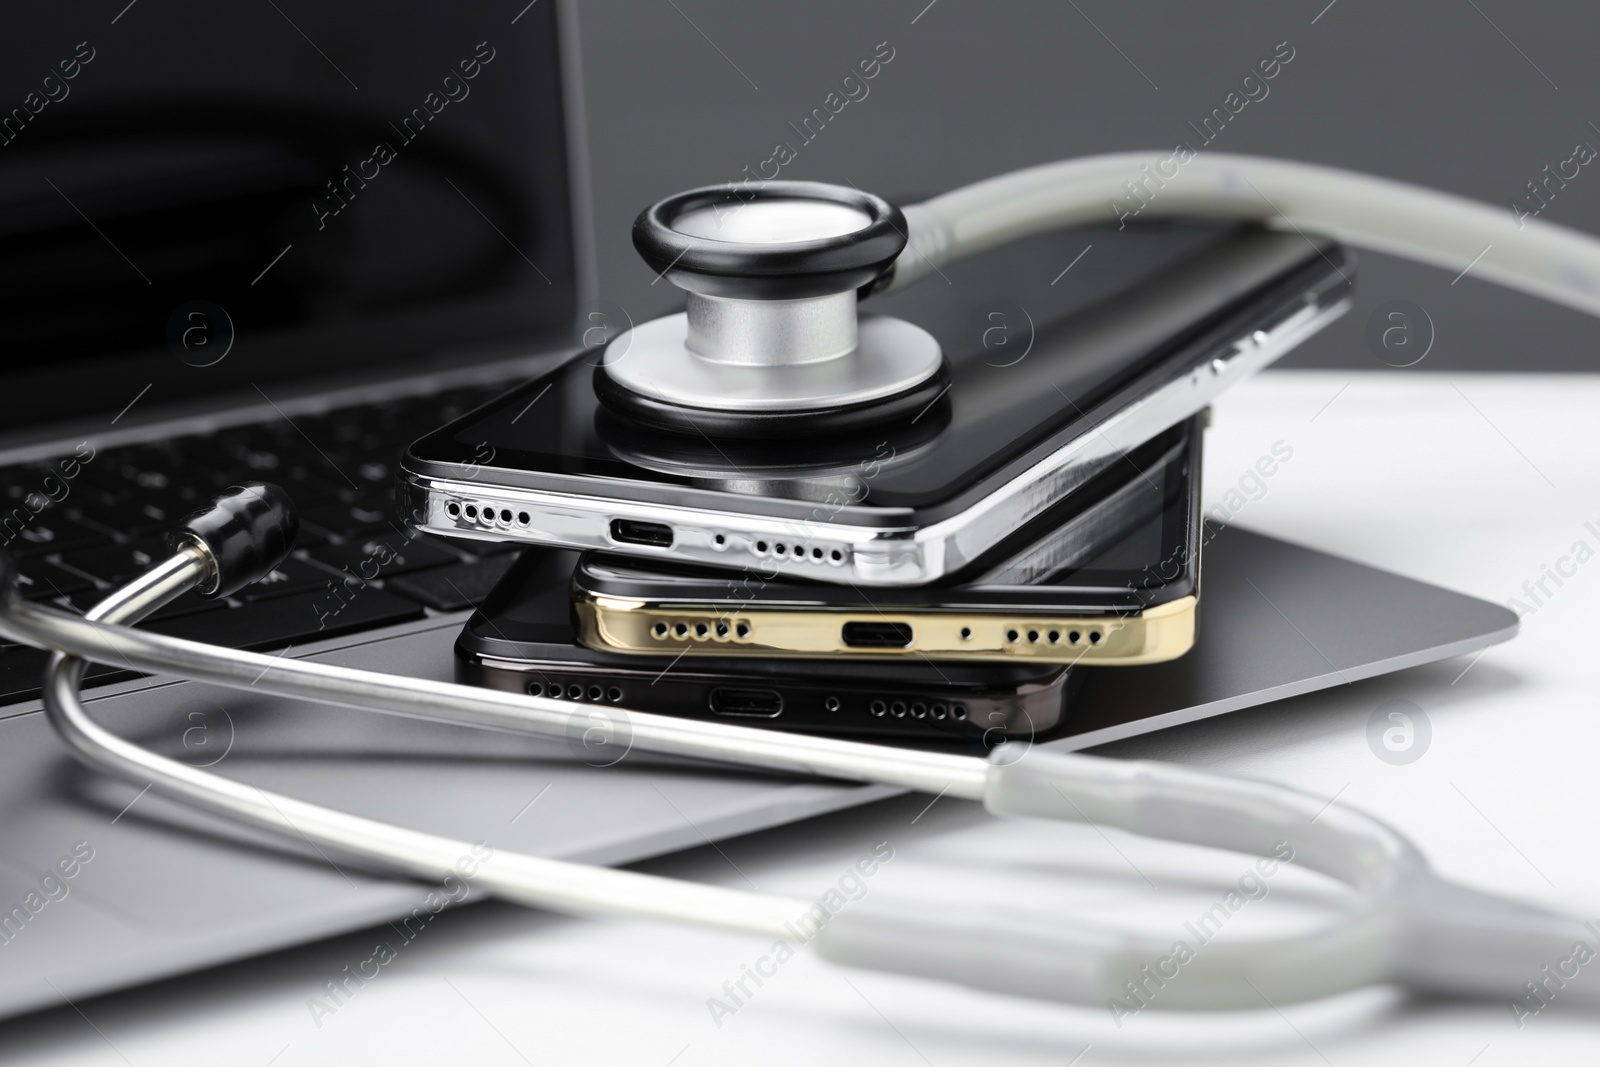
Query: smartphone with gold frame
column 520, row 640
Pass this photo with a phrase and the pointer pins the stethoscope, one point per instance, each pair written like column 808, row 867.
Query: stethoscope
column 1402, row 924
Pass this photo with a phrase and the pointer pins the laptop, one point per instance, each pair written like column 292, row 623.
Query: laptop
column 237, row 246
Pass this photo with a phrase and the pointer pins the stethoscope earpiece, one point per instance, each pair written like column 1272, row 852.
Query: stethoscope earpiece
column 770, row 343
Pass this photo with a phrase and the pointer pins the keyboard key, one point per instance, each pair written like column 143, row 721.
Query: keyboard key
column 152, row 468
column 453, row 588
column 295, row 619
column 374, row 473
column 350, row 520
column 187, row 604
column 337, row 466
column 290, row 576
column 38, row 580
column 484, row 549
column 306, row 486
column 133, row 518
column 25, row 534
column 116, row 564
column 385, row 556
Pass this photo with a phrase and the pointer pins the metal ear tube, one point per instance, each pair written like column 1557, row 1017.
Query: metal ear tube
column 1404, row 924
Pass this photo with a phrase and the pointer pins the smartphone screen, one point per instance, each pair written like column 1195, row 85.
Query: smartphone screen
column 1032, row 349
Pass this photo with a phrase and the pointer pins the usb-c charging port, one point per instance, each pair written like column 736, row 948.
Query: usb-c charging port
column 752, row 703
column 876, row 634
column 632, row 532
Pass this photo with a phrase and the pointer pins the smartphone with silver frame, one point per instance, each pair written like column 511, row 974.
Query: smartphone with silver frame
column 1155, row 326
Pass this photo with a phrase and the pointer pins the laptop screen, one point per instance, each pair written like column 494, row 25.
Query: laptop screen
column 201, row 196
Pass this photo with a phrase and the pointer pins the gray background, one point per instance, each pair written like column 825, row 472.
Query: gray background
column 687, row 92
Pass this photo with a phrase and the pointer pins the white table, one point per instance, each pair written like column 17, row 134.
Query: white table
column 1476, row 483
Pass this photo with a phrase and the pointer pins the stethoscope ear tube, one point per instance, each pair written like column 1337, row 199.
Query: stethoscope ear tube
column 243, row 534
column 1174, row 803
column 1450, row 232
column 990, row 949
column 1402, row 924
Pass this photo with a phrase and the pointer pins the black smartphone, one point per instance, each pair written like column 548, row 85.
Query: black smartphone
column 521, row 640
column 1114, row 580
column 1050, row 385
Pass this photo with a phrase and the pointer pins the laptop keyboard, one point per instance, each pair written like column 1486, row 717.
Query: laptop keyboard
column 356, row 566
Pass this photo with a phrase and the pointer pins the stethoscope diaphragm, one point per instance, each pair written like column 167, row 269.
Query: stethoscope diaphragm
column 771, row 344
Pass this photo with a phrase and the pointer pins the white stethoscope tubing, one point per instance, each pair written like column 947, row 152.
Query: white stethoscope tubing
column 1447, row 231
column 1403, row 925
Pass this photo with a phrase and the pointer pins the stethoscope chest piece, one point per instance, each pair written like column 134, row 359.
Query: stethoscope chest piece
column 771, row 343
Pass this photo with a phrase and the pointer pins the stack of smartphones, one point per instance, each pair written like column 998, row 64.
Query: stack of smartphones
column 1112, row 582
column 950, row 577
